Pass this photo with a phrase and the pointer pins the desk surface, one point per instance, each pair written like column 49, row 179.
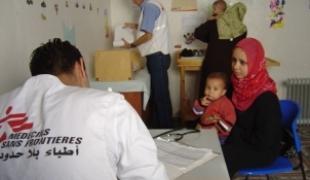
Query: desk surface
column 213, row 169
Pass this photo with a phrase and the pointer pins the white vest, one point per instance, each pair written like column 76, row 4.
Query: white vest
column 159, row 41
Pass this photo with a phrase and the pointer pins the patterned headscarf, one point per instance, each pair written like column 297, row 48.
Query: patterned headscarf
column 257, row 80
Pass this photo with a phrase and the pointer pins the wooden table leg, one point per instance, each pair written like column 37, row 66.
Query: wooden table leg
column 182, row 93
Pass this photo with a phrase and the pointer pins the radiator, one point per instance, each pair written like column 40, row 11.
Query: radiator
column 298, row 90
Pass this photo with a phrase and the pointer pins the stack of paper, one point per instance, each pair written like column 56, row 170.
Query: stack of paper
column 123, row 33
column 179, row 158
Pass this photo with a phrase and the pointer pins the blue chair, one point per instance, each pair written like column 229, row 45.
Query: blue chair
column 290, row 114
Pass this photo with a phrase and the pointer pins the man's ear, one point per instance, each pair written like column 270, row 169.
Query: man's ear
column 81, row 74
column 83, row 68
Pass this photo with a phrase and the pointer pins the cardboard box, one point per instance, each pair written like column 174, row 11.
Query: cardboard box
column 117, row 64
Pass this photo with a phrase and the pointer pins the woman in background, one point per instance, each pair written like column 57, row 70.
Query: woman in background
column 221, row 32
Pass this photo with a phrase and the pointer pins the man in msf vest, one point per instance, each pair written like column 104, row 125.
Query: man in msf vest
column 53, row 128
column 153, row 43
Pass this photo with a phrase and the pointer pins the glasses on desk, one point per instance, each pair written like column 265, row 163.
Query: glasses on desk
column 172, row 135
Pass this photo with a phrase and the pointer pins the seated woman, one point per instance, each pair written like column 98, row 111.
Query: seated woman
column 255, row 139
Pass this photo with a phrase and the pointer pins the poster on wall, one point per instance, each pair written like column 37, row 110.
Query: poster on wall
column 184, row 5
column 277, row 13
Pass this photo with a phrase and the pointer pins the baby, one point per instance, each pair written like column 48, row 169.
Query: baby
column 216, row 109
column 219, row 7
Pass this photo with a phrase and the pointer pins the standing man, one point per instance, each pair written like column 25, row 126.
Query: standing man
column 52, row 128
column 152, row 42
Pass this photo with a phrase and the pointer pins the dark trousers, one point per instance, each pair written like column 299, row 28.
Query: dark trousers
column 160, row 103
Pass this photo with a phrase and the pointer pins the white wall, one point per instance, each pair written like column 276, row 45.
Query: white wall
column 290, row 45
column 22, row 29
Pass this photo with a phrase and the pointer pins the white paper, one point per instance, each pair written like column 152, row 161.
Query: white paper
column 123, row 33
column 179, row 158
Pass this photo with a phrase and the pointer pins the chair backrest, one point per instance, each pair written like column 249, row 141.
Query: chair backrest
column 290, row 114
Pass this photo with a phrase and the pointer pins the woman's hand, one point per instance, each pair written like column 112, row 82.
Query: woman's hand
column 198, row 126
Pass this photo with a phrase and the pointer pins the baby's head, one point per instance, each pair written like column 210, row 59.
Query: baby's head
column 219, row 7
column 215, row 86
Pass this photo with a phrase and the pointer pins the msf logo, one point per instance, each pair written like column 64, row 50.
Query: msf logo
column 16, row 122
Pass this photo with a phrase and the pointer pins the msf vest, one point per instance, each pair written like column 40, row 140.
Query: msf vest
column 159, row 41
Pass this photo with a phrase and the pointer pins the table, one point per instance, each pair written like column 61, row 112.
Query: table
column 136, row 91
column 193, row 64
column 186, row 64
column 213, row 169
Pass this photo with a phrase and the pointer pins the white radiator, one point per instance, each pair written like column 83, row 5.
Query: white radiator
column 298, row 90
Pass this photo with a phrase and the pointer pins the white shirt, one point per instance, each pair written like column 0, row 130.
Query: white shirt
column 51, row 131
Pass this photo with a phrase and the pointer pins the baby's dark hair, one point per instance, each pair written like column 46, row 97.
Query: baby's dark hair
column 222, row 3
column 219, row 75
column 54, row 57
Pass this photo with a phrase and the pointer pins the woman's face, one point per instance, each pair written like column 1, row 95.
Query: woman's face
column 239, row 63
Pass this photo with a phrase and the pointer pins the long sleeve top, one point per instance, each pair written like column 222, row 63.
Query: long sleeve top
column 222, row 108
column 255, row 139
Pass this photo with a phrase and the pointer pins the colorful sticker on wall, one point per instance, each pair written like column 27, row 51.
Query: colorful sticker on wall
column 277, row 13
column 69, row 33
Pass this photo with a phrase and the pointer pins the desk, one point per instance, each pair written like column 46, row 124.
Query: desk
column 186, row 64
column 213, row 169
column 194, row 64
column 136, row 91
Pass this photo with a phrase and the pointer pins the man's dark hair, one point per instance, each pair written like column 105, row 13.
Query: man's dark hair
column 54, row 57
